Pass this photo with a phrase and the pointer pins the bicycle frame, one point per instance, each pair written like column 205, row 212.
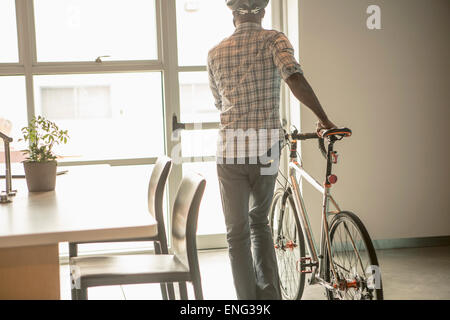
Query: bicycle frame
column 316, row 256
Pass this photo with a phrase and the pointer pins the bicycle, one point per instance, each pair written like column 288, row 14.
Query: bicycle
column 347, row 265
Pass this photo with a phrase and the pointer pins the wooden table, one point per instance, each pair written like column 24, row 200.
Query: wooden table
column 90, row 203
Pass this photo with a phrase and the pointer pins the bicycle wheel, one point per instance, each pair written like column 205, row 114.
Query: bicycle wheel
column 354, row 259
column 289, row 245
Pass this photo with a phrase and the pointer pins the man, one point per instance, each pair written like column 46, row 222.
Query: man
column 245, row 72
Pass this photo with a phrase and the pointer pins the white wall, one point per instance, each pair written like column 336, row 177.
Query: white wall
column 392, row 88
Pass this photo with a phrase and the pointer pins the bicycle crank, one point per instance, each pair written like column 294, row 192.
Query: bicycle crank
column 291, row 245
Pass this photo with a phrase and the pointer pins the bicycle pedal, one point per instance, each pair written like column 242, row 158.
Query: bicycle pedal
column 302, row 259
column 305, row 265
column 309, row 265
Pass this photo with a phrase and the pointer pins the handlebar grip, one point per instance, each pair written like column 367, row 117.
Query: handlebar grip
column 312, row 135
column 304, row 136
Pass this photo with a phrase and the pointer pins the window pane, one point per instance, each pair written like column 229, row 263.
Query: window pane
column 196, row 99
column 292, row 33
column 13, row 114
column 8, row 32
column 201, row 24
column 199, row 143
column 81, row 30
column 108, row 116
column 210, row 220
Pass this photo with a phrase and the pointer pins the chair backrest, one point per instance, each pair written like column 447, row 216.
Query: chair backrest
column 156, row 188
column 184, row 219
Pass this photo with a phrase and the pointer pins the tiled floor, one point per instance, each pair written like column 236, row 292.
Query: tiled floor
column 417, row 273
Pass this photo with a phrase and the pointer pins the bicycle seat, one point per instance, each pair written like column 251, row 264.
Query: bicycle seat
column 342, row 132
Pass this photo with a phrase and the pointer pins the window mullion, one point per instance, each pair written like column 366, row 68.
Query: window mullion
column 159, row 33
column 27, row 48
column 192, row 68
column 171, row 90
column 43, row 68
column 11, row 69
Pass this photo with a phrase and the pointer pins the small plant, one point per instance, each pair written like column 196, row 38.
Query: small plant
column 42, row 135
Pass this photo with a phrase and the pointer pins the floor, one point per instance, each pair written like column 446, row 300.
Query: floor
column 409, row 274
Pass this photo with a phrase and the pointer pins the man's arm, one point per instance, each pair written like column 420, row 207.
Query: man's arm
column 290, row 71
column 303, row 92
column 213, row 87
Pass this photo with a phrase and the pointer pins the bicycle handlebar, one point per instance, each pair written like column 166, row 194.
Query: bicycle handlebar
column 332, row 135
column 307, row 136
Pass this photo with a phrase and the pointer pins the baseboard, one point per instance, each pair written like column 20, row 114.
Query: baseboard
column 218, row 241
column 212, row 241
column 399, row 243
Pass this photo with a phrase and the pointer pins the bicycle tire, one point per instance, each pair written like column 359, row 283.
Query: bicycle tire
column 289, row 245
column 341, row 250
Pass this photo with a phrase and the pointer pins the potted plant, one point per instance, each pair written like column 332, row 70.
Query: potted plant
column 40, row 165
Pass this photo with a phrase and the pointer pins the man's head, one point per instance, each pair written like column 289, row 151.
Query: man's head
column 247, row 10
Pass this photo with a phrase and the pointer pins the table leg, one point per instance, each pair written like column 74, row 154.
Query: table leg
column 30, row 272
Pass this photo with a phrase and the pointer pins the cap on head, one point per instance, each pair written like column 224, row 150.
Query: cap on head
column 247, row 6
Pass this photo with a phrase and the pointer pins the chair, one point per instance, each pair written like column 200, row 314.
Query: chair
column 182, row 266
column 156, row 188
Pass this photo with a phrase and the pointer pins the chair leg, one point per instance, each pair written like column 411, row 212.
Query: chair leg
column 164, row 250
column 197, row 283
column 170, row 290
column 163, row 286
column 163, row 291
column 157, row 246
column 73, row 252
column 82, row 294
column 183, row 290
column 77, row 295
column 74, row 294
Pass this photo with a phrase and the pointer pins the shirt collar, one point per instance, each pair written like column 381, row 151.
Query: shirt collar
column 247, row 26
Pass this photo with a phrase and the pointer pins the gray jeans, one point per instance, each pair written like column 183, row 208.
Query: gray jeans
column 246, row 198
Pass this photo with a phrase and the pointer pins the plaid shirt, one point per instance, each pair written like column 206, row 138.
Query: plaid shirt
column 245, row 72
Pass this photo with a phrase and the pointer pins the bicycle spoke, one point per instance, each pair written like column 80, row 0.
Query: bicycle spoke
column 286, row 240
column 351, row 260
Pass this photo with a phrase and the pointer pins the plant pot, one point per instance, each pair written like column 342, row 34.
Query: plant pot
column 40, row 176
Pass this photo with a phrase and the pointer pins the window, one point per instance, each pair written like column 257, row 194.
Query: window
column 8, row 32
column 197, row 105
column 81, row 102
column 201, row 24
column 82, row 30
column 209, row 18
column 292, row 33
column 13, row 112
column 196, row 100
column 210, row 220
column 199, row 143
column 108, row 116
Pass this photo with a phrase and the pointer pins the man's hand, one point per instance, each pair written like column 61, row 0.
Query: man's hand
column 324, row 125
